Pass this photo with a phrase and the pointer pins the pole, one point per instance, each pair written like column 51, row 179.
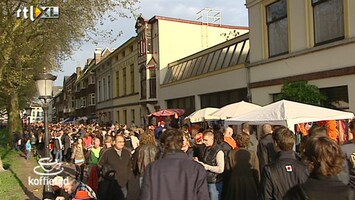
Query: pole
column 46, row 144
column 47, row 189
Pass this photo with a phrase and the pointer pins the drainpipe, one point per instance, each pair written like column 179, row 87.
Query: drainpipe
column 249, row 96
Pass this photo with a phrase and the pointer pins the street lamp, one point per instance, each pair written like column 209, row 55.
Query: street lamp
column 44, row 82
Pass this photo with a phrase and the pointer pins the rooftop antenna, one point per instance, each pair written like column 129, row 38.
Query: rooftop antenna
column 209, row 15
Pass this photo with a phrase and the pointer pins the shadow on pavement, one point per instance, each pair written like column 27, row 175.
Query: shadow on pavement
column 30, row 194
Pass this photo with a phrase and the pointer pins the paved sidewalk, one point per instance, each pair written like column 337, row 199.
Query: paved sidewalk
column 23, row 171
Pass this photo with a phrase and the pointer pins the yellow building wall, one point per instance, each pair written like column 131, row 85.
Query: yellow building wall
column 177, row 40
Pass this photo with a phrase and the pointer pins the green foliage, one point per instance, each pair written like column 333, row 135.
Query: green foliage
column 28, row 47
column 301, row 92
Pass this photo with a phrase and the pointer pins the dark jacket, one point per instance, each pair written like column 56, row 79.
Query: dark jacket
column 210, row 158
column 66, row 143
column 321, row 187
column 159, row 131
column 349, row 151
column 109, row 188
column 266, row 151
column 198, row 150
column 277, row 178
column 244, row 175
column 120, row 164
column 144, row 155
column 175, row 177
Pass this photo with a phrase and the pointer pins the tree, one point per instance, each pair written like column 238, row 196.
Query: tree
column 27, row 47
column 301, row 92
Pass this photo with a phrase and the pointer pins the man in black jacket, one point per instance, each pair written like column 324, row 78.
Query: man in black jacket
column 287, row 171
column 174, row 176
column 118, row 159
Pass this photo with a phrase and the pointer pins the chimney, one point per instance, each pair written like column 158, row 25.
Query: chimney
column 88, row 61
column 97, row 55
column 78, row 71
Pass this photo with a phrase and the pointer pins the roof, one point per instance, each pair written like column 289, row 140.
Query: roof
column 88, row 68
column 155, row 18
column 122, row 46
column 230, row 53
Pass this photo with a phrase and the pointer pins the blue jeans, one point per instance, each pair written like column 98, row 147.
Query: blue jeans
column 58, row 155
column 28, row 154
column 215, row 190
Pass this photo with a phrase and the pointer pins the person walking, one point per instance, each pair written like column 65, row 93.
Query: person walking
column 58, row 146
column 28, row 148
column 145, row 154
column 287, row 171
column 244, row 176
column 92, row 158
column 160, row 177
column 67, row 147
column 228, row 132
column 246, row 128
column 324, row 158
column 266, row 149
column 79, row 159
column 213, row 162
column 118, row 159
column 349, row 151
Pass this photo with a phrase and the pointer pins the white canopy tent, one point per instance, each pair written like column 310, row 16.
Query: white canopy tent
column 235, row 109
column 289, row 113
column 204, row 114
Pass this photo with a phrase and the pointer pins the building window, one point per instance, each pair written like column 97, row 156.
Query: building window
column 220, row 99
column 152, row 83
column 133, row 115
column 109, row 87
column 118, row 116
column 131, row 48
column 143, row 77
column 78, row 103
column 125, row 116
column 92, row 99
column 277, row 25
column 141, row 44
column 186, row 103
column 104, row 89
column 117, row 84
column 328, row 20
column 148, row 35
column 132, row 78
column 336, row 97
column 83, row 102
column 100, row 92
column 124, row 79
column 73, row 103
column 91, row 80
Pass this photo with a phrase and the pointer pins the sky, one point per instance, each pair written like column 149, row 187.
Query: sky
column 233, row 12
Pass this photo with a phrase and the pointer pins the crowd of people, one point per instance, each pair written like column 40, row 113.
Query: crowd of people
column 218, row 163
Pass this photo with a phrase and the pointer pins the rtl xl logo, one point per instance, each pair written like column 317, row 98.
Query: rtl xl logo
column 43, row 12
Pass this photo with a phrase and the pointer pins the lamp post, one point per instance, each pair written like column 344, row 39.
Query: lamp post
column 44, row 82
